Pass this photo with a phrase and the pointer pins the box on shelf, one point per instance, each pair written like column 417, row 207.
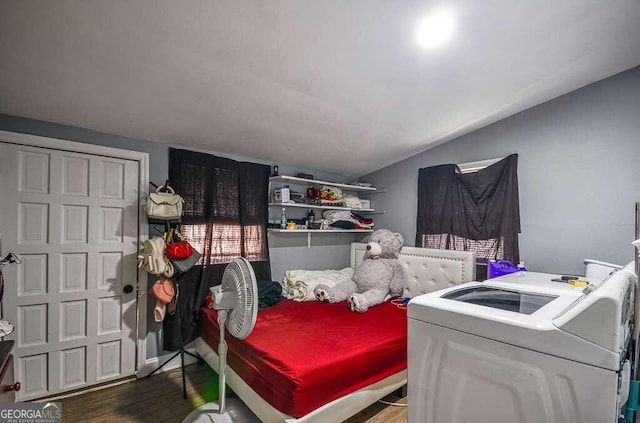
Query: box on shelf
column 366, row 203
column 282, row 194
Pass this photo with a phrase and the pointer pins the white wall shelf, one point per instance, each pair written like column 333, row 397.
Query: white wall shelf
column 320, row 230
column 317, row 231
column 294, row 180
column 313, row 182
column 315, row 206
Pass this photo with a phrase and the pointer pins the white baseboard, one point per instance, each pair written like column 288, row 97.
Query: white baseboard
column 151, row 364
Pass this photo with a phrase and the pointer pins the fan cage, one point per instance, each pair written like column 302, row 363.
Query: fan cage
column 240, row 279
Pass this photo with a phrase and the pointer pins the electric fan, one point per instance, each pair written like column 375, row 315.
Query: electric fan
column 236, row 300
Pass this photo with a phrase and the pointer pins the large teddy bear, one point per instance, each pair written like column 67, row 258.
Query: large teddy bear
column 379, row 275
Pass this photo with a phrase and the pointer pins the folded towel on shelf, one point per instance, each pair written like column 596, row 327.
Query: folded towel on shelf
column 345, row 219
column 343, row 224
column 363, row 226
column 362, row 219
column 336, row 214
column 350, row 224
column 352, row 201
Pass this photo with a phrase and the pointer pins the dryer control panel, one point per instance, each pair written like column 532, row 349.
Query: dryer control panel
column 601, row 315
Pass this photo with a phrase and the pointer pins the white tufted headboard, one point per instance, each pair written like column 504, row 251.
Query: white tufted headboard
column 426, row 269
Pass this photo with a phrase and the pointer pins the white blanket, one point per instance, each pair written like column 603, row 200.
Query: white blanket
column 298, row 285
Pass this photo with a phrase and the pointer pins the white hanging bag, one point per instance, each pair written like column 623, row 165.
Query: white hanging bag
column 164, row 205
column 153, row 260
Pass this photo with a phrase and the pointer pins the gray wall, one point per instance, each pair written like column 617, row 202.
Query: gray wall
column 579, row 175
column 287, row 251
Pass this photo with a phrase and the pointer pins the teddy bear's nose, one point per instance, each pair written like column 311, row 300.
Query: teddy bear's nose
column 368, row 247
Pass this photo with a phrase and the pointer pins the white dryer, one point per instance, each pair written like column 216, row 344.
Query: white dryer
column 520, row 349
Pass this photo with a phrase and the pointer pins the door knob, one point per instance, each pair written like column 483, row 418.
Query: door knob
column 14, row 387
column 128, row 288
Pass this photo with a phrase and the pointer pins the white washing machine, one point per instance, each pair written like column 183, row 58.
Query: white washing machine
column 521, row 348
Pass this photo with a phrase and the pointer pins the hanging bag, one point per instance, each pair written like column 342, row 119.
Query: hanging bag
column 163, row 290
column 183, row 265
column 177, row 250
column 173, row 304
column 164, row 205
column 152, row 259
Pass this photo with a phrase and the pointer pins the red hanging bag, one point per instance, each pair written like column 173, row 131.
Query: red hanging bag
column 178, row 250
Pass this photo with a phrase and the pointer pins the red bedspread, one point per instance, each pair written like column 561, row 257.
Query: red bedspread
column 303, row 355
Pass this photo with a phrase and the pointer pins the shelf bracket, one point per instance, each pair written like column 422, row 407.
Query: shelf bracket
column 308, row 239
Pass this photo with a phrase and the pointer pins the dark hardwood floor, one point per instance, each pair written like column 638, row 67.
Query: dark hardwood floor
column 159, row 399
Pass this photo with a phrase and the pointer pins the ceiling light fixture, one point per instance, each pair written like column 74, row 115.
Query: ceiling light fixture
column 435, row 29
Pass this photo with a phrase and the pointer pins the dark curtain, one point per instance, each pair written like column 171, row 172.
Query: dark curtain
column 475, row 211
column 225, row 216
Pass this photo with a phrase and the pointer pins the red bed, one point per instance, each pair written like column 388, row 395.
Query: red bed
column 301, row 356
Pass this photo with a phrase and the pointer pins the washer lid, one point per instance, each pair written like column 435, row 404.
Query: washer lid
column 530, row 311
column 501, row 298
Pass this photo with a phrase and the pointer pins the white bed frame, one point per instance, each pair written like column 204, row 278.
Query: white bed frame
column 425, row 270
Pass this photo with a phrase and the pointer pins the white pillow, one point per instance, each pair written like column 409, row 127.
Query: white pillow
column 298, row 285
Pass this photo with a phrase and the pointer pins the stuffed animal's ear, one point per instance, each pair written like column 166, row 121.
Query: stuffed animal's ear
column 399, row 238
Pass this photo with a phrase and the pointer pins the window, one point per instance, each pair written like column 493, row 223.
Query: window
column 225, row 216
column 226, row 206
column 471, row 209
column 472, row 167
column 485, row 249
column 226, row 243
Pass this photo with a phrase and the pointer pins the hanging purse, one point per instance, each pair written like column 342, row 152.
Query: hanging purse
column 152, row 258
column 164, row 205
column 163, row 290
column 177, row 250
column 181, row 266
column 182, row 262
column 173, row 304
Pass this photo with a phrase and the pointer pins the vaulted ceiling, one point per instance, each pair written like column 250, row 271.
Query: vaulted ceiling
column 338, row 85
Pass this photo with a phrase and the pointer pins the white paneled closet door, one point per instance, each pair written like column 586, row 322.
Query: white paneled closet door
column 73, row 218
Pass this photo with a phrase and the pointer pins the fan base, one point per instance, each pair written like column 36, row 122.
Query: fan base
column 235, row 411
